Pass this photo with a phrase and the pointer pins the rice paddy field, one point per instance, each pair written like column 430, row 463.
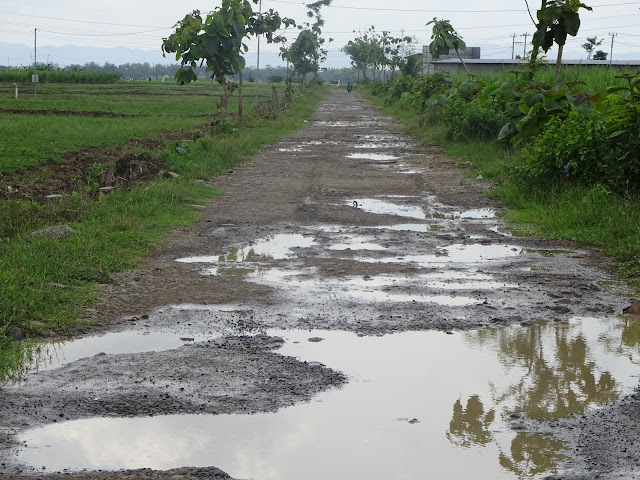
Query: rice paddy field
column 40, row 127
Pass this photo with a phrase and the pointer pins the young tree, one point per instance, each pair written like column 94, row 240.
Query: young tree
column 444, row 39
column 217, row 40
column 307, row 51
column 365, row 52
column 556, row 20
column 590, row 46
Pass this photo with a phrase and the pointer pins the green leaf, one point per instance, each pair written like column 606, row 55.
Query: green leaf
column 239, row 27
column 212, row 44
column 572, row 23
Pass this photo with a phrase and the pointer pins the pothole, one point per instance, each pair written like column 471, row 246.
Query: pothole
column 275, row 247
column 372, row 156
column 416, row 402
column 471, row 254
column 382, row 207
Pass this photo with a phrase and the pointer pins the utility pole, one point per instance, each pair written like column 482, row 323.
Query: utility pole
column 513, row 46
column 613, row 35
column 258, row 57
column 525, row 35
column 35, row 62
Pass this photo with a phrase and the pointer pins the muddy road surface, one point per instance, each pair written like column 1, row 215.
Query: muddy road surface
column 352, row 307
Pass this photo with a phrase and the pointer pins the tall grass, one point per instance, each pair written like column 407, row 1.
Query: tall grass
column 595, row 79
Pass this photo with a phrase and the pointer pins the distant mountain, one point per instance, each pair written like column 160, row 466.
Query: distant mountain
column 18, row 55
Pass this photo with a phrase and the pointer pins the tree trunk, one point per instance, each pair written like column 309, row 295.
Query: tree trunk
column 556, row 83
column 227, row 91
column 536, row 49
column 464, row 65
column 240, row 99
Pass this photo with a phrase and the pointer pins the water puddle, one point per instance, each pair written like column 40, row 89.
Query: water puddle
column 381, row 207
column 55, row 354
column 356, row 124
column 474, row 253
column 418, row 404
column 381, row 145
column 478, row 213
column 372, row 156
column 275, row 247
column 407, row 227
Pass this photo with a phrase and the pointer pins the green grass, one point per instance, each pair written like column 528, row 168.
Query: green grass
column 146, row 109
column 46, row 282
column 591, row 217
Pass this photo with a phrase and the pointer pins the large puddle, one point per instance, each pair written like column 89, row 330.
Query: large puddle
column 417, row 405
column 274, row 247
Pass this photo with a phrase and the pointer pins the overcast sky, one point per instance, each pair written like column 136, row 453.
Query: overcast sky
column 142, row 23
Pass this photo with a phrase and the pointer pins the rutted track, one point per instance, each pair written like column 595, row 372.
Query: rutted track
column 347, row 224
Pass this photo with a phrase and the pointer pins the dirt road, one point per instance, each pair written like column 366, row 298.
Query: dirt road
column 346, row 225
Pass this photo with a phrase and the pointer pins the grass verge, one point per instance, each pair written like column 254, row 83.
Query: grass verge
column 562, row 211
column 47, row 281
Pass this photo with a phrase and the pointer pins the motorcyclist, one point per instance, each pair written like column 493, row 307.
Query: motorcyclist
column 349, row 86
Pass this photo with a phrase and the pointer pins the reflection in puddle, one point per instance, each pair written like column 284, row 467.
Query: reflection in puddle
column 58, row 353
column 460, row 389
column 456, row 254
column 381, row 207
column 371, row 156
column 381, row 145
column 407, row 227
column 276, row 247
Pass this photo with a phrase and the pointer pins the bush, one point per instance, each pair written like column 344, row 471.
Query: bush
column 465, row 120
column 580, row 149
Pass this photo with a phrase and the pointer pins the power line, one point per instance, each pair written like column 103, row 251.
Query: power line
column 439, row 11
column 79, row 21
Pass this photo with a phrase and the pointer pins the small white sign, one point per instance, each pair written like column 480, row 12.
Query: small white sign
column 34, row 78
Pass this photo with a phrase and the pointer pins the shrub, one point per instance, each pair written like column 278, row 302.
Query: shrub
column 580, row 149
column 470, row 120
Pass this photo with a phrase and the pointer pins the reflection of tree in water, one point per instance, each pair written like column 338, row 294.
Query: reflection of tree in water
column 626, row 340
column 470, row 426
column 550, row 373
column 560, row 376
column 532, row 454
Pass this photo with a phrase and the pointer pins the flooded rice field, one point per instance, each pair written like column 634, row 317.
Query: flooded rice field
column 352, row 308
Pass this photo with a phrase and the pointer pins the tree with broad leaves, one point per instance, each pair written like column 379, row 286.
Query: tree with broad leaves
column 218, row 41
column 307, row 53
column 556, row 19
column 444, row 39
column 600, row 55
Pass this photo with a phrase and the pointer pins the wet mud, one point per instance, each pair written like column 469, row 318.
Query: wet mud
column 346, row 225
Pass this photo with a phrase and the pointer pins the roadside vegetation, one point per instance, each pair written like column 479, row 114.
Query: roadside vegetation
column 564, row 156
column 48, row 278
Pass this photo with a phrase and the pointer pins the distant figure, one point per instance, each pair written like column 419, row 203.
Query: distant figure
column 349, row 86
